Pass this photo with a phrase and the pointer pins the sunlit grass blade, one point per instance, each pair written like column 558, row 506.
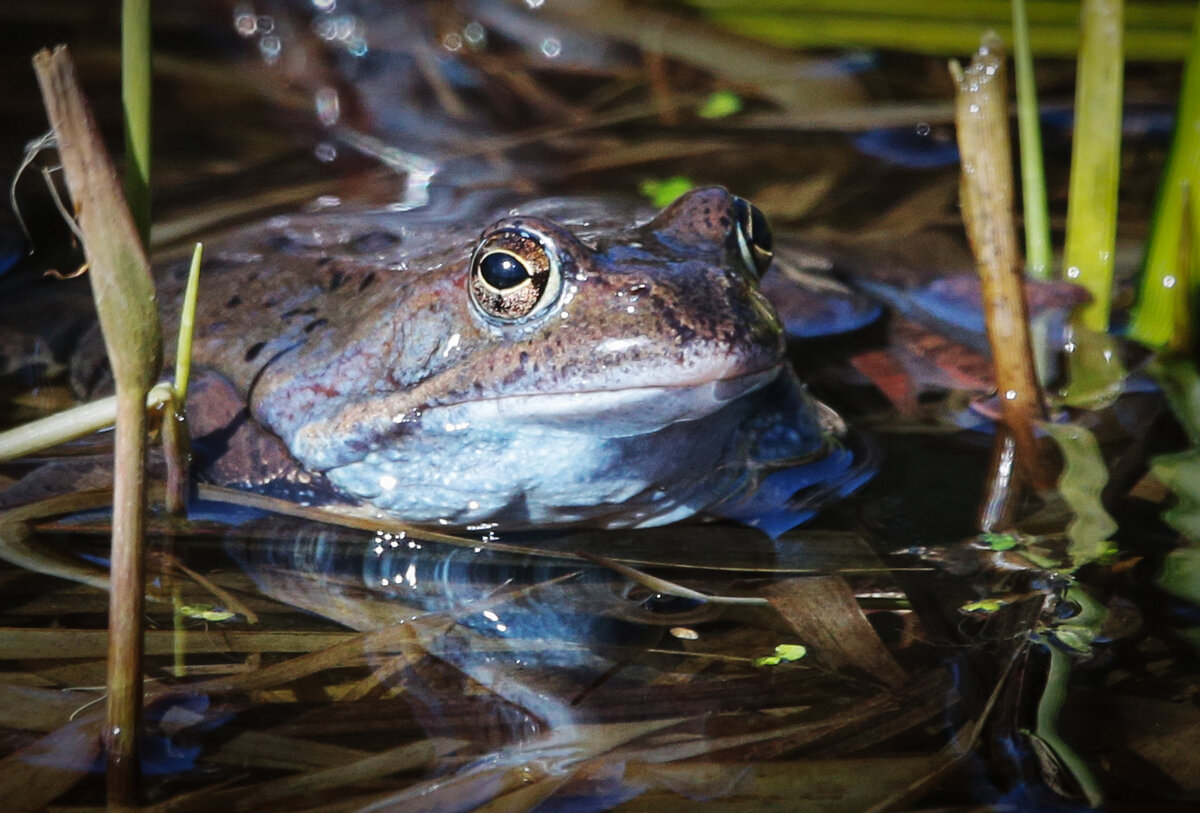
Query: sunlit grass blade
column 1096, row 160
column 1153, row 321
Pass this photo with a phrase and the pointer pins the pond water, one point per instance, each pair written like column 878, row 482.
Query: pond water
column 881, row 656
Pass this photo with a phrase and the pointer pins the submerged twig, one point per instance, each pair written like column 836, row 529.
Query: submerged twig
column 987, row 202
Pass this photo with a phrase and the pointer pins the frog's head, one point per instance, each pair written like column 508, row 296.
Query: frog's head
column 522, row 365
column 673, row 303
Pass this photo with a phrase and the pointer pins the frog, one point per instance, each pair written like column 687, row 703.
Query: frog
column 555, row 363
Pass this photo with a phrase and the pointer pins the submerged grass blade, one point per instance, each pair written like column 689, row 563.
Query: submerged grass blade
column 1154, row 317
column 1083, row 479
column 1038, row 255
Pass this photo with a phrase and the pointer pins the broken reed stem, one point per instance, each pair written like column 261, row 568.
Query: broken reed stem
column 986, row 190
column 124, row 294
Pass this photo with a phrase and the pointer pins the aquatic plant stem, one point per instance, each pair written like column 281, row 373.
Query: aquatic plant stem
column 124, row 294
column 981, row 113
column 135, row 99
column 1091, row 240
column 1038, row 253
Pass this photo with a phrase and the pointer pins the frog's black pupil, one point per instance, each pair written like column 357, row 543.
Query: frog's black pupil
column 502, row 271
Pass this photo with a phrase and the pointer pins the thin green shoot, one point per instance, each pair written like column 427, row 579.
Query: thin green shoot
column 1038, row 253
column 187, row 325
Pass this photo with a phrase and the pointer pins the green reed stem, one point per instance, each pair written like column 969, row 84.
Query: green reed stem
column 1153, row 321
column 1038, row 253
column 946, row 35
column 135, row 97
column 1096, row 160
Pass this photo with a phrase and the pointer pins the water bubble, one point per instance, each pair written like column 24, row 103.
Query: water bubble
column 325, row 28
column 270, row 46
column 1168, row 281
column 475, row 34
column 1073, row 272
column 535, row 3
column 325, row 152
column 328, row 105
column 1010, row 395
column 551, row 47
column 452, row 41
column 324, row 5
column 923, row 129
column 245, row 21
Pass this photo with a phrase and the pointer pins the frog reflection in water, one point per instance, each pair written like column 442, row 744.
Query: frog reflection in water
column 563, row 367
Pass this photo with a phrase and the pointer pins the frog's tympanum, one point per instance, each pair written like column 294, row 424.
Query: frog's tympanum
column 555, row 366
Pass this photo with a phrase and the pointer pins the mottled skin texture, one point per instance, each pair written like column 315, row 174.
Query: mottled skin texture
column 346, row 335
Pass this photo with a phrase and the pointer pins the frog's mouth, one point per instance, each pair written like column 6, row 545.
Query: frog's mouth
column 613, row 412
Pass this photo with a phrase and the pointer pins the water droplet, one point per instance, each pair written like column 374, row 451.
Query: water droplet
column 452, row 41
column 1073, row 272
column 551, row 47
column 1010, row 395
column 325, row 152
column 923, row 129
column 1168, row 281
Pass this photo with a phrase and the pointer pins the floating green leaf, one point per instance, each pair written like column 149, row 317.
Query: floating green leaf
column 1084, row 477
column 784, row 653
column 720, row 104
column 985, row 606
column 663, row 192
column 999, row 542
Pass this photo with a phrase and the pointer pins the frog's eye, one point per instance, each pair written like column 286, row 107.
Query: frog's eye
column 754, row 241
column 515, row 274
